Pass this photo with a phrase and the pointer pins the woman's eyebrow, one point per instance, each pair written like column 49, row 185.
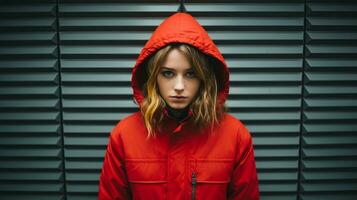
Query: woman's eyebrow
column 168, row 68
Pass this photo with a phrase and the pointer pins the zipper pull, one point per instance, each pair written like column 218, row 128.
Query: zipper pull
column 194, row 182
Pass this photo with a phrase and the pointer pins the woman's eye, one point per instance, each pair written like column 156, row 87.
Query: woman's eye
column 191, row 74
column 167, row 74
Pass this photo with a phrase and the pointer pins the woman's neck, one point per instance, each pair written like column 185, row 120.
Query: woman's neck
column 178, row 114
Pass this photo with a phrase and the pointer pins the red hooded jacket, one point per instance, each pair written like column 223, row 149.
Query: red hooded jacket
column 179, row 163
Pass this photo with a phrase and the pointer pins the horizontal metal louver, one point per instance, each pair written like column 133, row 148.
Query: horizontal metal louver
column 31, row 153
column 329, row 148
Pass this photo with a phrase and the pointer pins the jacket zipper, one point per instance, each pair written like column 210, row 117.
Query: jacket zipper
column 194, row 182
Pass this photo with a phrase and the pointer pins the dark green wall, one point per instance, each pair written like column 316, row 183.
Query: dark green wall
column 65, row 71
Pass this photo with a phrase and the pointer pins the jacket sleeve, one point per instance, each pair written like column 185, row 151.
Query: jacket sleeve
column 244, row 183
column 113, row 182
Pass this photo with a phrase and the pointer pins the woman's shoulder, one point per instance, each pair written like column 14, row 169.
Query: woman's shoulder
column 232, row 120
column 234, row 123
column 131, row 118
column 129, row 122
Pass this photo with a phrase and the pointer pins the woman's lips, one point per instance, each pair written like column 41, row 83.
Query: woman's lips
column 178, row 97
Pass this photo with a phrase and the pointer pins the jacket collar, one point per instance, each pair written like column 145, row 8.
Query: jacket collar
column 167, row 115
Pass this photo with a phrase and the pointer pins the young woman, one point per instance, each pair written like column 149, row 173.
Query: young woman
column 181, row 144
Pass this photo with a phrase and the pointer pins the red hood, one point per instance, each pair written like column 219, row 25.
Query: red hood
column 181, row 28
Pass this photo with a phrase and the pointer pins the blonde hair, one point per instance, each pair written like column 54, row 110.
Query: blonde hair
column 205, row 108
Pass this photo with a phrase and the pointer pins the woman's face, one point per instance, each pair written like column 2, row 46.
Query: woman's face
column 177, row 82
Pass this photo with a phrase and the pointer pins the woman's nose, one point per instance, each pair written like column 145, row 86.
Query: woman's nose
column 179, row 84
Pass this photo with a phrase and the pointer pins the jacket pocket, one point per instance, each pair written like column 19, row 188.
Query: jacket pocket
column 210, row 178
column 147, row 178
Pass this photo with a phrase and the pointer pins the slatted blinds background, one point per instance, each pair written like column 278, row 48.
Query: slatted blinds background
column 329, row 125
column 31, row 153
column 65, row 72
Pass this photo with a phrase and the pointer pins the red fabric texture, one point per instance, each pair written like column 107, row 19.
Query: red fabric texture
column 162, row 167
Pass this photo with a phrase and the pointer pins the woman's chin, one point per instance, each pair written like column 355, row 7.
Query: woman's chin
column 178, row 106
